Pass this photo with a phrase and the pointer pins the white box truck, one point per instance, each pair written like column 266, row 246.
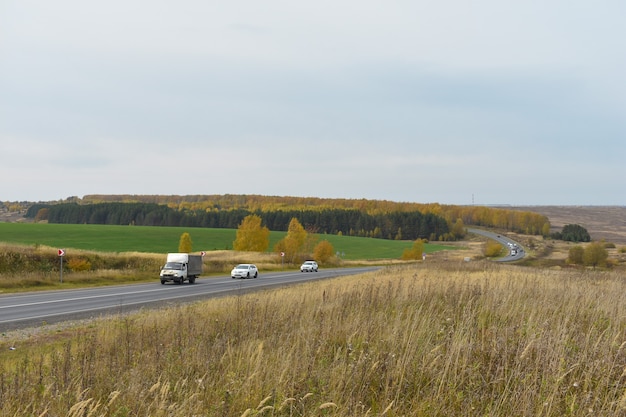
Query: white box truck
column 181, row 267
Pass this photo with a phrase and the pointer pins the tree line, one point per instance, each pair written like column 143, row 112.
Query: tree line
column 518, row 221
column 296, row 246
column 350, row 222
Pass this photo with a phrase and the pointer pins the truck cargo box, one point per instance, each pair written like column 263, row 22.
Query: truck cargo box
column 181, row 267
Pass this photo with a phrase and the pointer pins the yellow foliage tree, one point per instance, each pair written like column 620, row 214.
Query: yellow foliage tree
column 323, row 251
column 575, row 255
column 595, row 254
column 251, row 236
column 42, row 215
column 458, row 229
column 415, row 252
column 292, row 244
column 492, row 249
column 185, row 244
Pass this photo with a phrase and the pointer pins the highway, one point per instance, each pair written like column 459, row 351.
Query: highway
column 36, row 308
column 515, row 251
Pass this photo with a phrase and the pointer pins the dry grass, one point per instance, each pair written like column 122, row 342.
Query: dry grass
column 39, row 266
column 603, row 222
column 421, row 340
column 27, row 268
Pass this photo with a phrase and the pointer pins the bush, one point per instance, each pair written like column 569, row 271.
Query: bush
column 595, row 254
column 323, row 251
column 415, row 252
column 492, row 249
column 78, row 264
column 575, row 255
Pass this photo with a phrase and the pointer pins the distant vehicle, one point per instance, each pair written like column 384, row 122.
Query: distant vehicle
column 244, row 271
column 309, row 266
column 181, row 267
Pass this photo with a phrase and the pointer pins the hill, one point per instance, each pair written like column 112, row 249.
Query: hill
column 602, row 222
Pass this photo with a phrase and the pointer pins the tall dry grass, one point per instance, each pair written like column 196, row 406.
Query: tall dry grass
column 475, row 339
column 24, row 267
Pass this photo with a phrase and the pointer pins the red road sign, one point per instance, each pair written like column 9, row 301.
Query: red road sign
column 61, row 252
column 202, row 253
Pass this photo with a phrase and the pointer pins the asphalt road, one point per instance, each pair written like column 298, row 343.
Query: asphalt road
column 36, row 308
column 515, row 251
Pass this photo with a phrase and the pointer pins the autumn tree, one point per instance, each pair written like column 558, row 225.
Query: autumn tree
column 595, row 254
column 184, row 245
column 575, row 255
column 415, row 252
column 293, row 243
column 42, row 214
column 323, row 251
column 492, row 249
column 251, row 235
column 458, row 229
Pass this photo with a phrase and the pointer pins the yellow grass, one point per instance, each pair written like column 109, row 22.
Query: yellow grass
column 415, row 340
column 39, row 266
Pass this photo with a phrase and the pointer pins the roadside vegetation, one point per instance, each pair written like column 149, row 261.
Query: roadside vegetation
column 154, row 239
column 90, row 258
column 429, row 339
column 449, row 334
column 493, row 249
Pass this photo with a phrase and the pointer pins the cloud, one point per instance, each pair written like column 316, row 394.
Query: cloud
column 356, row 99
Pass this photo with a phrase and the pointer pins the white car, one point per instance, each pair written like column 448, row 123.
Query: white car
column 309, row 266
column 244, row 271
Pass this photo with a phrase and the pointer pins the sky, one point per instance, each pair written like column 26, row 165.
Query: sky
column 487, row 102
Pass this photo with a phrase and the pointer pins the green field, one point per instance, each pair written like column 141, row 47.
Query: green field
column 106, row 238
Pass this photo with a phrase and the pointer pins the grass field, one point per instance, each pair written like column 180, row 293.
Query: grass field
column 440, row 338
column 462, row 339
column 105, row 238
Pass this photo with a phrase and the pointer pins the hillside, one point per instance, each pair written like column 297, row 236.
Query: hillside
column 602, row 222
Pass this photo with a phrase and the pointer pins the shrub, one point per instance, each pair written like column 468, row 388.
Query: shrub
column 575, row 255
column 415, row 252
column 595, row 254
column 492, row 249
column 323, row 251
column 78, row 264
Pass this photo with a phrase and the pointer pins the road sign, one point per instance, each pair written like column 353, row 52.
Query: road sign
column 202, row 253
column 282, row 254
column 61, row 252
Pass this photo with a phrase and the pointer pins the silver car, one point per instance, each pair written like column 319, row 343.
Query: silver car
column 244, row 271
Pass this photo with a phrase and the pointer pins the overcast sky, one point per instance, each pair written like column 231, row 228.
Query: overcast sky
column 455, row 102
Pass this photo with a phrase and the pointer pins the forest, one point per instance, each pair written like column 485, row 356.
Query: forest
column 351, row 222
column 365, row 218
